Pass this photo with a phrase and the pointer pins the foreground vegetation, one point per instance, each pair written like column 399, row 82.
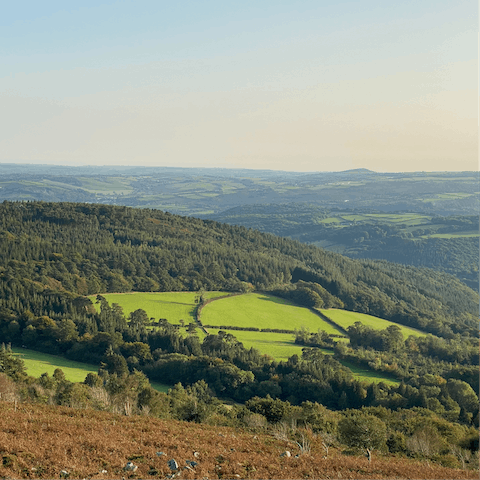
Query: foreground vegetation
column 42, row 441
column 31, row 429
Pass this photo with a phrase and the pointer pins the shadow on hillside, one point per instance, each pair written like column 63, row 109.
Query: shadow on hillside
column 272, row 299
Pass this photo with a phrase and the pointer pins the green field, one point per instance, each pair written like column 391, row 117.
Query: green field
column 470, row 233
column 111, row 185
column 37, row 363
column 251, row 310
column 262, row 311
column 406, row 219
column 345, row 318
column 266, row 311
column 174, row 306
column 363, row 374
column 279, row 346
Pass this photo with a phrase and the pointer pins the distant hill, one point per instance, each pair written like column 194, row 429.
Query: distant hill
column 358, row 170
column 202, row 191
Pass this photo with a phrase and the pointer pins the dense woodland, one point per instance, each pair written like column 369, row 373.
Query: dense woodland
column 366, row 234
column 55, row 254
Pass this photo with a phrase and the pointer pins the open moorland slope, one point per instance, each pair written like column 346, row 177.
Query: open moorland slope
column 51, row 442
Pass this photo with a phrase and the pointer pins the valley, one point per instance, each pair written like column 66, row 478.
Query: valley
column 294, row 333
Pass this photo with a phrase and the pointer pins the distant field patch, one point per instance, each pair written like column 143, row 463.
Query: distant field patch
column 470, row 233
column 112, row 185
column 345, row 318
column 352, row 218
column 330, row 220
column 174, row 306
column 454, row 196
column 262, row 311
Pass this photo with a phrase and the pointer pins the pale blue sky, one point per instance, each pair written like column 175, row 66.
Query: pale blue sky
column 305, row 85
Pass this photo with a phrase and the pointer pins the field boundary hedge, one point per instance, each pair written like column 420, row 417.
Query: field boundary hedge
column 329, row 320
column 198, row 309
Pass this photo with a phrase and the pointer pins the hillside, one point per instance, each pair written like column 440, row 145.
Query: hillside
column 448, row 244
column 54, row 255
column 44, row 441
column 88, row 249
column 359, row 213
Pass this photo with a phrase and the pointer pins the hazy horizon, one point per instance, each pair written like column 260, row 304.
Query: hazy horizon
column 127, row 166
column 305, row 87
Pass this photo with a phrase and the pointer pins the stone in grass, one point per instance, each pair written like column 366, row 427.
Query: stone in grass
column 160, row 454
column 177, row 473
column 173, row 464
column 64, row 474
column 130, row 467
column 286, row 454
column 196, row 454
column 191, row 463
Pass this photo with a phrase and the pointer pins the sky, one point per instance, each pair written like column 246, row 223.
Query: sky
column 299, row 85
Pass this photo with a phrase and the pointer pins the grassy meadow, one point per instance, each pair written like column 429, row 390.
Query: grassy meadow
column 279, row 346
column 37, row 363
column 266, row 311
column 174, row 306
column 248, row 310
column 262, row 311
column 345, row 318
column 467, row 234
column 364, row 374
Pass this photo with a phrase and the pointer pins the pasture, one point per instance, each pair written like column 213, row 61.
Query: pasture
column 279, row 346
column 37, row 363
column 345, row 318
column 267, row 311
column 364, row 374
column 468, row 234
column 262, row 311
column 174, row 306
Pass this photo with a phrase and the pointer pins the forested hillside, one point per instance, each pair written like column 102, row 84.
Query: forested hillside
column 444, row 243
column 86, row 249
